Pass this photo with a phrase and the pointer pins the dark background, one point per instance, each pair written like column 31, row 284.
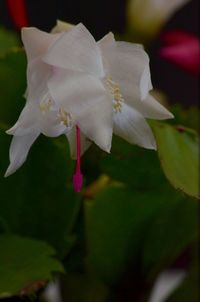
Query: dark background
column 105, row 15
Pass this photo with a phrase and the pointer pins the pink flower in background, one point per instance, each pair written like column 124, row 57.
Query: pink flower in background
column 182, row 49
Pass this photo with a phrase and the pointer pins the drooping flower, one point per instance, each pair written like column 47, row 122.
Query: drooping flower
column 182, row 49
column 86, row 91
column 147, row 17
column 41, row 114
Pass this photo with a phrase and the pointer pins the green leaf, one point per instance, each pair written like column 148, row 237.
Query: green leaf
column 13, row 83
column 178, row 150
column 188, row 117
column 8, row 40
column 137, row 167
column 38, row 200
column 24, row 261
column 81, row 287
column 169, row 234
column 116, row 222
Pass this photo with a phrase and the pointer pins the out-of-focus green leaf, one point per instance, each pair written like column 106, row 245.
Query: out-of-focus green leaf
column 178, row 150
column 116, row 222
column 8, row 40
column 23, row 262
column 38, row 200
column 13, row 85
column 4, row 227
column 188, row 117
column 170, row 233
column 137, row 167
column 81, row 287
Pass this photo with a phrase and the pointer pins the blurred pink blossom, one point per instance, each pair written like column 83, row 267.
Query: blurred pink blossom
column 182, row 49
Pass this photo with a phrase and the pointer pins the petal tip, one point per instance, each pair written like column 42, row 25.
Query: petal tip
column 153, row 144
column 108, row 148
column 170, row 115
column 8, row 172
column 9, row 131
column 154, row 147
column 167, row 115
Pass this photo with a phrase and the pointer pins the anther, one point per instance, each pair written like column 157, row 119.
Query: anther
column 45, row 106
column 65, row 117
column 116, row 93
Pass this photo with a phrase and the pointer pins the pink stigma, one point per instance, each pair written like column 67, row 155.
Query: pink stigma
column 78, row 177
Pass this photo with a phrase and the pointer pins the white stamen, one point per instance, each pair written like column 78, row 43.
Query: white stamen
column 65, row 117
column 45, row 106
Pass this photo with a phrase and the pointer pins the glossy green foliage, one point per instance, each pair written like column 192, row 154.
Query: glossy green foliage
column 144, row 230
column 137, row 167
column 24, row 262
column 178, row 150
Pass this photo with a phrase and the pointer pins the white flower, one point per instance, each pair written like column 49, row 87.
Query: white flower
column 146, row 17
column 119, row 70
column 97, row 87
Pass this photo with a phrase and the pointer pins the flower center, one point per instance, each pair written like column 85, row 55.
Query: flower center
column 45, row 106
column 65, row 117
column 115, row 91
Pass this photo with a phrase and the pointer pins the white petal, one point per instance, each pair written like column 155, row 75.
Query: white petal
column 131, row 125
column 19, row 149
column 50, row 125
column 36, row 42
column 107, row 42
column 61, row 26
column 128, row 67
column 86, row 99
column 32, row 119
column 145, row 82
column 76, row 50
column 85, row 142
column 37, row 75
column 26, row 122
column 150, row 108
